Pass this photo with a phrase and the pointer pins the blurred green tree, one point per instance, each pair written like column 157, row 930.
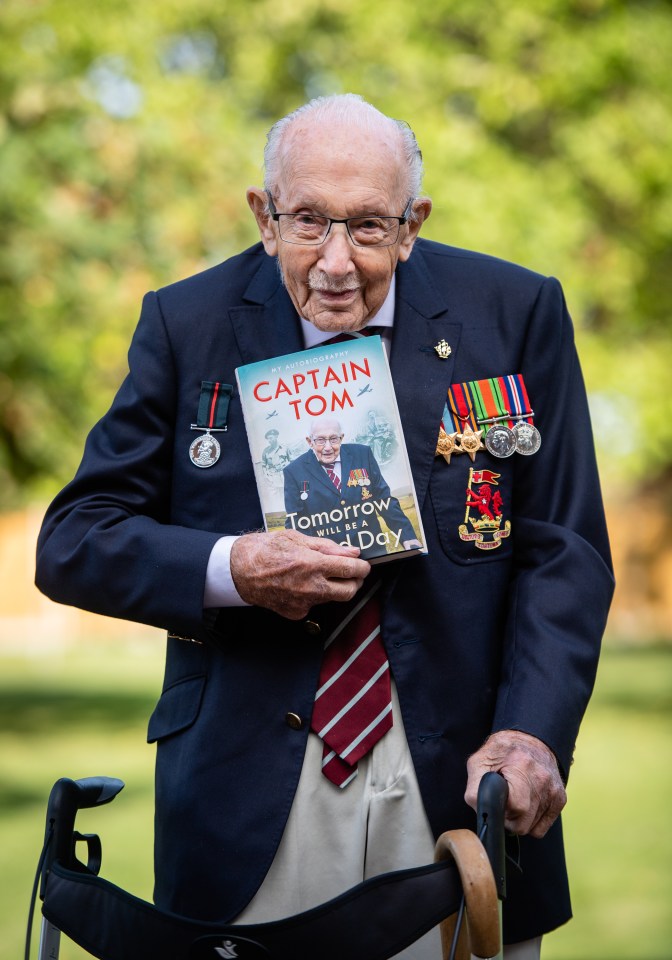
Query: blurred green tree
column 129, row 132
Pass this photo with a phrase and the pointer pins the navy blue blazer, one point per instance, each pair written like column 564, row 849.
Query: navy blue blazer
column 478, row 640
column 307, row 475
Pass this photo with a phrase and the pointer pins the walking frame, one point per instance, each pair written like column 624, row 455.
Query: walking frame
column 372, row 921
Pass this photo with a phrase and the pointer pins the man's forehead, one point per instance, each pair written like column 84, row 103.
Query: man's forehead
column 359, row 168
column 325, row 426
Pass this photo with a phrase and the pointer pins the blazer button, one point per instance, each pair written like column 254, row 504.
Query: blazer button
column 312, row 628
column 294, row 721
column 342, row 503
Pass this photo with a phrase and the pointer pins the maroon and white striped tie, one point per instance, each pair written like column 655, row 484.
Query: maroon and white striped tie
column 333, row 476
column 353, row 703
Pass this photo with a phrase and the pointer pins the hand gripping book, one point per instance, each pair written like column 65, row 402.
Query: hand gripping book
column 328, row 449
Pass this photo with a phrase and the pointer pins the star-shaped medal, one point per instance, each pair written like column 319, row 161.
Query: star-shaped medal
column 446, row 445
column 471, row 442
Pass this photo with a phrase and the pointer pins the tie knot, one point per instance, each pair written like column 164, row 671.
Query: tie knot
column 356, row 335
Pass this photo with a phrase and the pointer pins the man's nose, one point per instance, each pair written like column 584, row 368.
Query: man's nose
column 336, row 251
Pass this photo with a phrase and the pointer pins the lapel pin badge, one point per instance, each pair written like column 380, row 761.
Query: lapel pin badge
column 443, row 349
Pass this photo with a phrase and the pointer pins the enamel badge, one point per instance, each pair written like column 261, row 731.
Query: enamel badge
column 484, row 523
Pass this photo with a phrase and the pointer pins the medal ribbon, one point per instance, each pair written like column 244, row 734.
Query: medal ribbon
column 514, row 390
column 459, row 408
column 480, row 400
column 213, row 405
column 488, row 402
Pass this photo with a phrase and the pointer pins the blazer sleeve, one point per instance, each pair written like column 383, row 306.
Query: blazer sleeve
column 107, row 544
column 562, row 580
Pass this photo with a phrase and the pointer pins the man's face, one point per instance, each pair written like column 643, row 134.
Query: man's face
column 325, row 440
column 337, row 171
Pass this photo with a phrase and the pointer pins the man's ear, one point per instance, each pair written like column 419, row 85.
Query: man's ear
column 258, row 204
column 421, row 210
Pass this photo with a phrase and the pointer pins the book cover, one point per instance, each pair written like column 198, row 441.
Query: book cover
column 328, row 448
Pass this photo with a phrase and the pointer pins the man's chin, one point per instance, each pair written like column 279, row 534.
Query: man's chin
column 337, row 321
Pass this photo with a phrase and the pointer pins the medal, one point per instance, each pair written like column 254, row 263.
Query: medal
column 204, row 451
column 446, row 445
column 471, row 442
column 213, row 408
column 304, row 490
column 498, row 410
column 500, row 441
column 528, row 438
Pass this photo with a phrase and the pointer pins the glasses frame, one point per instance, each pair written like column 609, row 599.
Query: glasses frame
column 316, row 243
column 334, row 441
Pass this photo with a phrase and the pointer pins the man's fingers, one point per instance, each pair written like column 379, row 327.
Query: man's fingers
column 289, row 573
column 329, row 547
column 536, row 791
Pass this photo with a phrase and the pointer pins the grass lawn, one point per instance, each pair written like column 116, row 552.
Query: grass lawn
column 85, row 713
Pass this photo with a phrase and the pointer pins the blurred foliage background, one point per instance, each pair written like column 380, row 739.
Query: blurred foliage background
column 129, row 132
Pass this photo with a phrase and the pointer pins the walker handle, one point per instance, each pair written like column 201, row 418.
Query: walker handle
column 493, row 792
column 66, row 798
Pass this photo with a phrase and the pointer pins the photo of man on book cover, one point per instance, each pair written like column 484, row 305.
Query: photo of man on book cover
column 336, row 490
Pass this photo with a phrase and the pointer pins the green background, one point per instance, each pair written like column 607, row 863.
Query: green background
column 128, row 134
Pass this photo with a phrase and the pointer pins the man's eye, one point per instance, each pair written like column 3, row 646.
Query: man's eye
column 370, row 224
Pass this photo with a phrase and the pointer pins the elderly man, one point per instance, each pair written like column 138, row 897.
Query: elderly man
column 316, row 483
column 491, row 641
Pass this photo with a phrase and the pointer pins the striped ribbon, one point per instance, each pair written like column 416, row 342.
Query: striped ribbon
column 476, row 401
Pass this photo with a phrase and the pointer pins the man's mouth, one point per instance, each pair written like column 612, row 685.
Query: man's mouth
column 337, row 296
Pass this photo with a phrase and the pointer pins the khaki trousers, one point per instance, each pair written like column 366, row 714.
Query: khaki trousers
column 335, row 839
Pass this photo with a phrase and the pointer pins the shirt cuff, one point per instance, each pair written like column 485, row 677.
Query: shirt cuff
column 220, row 590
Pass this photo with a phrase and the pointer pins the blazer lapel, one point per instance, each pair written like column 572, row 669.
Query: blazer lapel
column 267, row 324
column 421, row 378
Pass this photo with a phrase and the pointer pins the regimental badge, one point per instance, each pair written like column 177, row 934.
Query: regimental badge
column 443, row 349
column 484, row 523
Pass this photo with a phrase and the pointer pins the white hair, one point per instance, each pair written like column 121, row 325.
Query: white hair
column 342, row 108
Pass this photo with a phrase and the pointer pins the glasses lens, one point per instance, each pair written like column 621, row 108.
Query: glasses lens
column 320, row 441
column 374, row 231
column 303, row 228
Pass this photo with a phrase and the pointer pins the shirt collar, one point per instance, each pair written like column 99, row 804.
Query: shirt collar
column 384, row 318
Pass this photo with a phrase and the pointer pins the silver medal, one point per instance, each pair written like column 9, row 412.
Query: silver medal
column 303, row 495
column 500, row 440
column 528, row 438
column 204, row 451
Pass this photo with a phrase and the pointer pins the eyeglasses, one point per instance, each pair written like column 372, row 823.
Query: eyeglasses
column 332, row 441
column 368, row 231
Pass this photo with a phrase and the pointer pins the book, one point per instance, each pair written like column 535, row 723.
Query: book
column 327, row 410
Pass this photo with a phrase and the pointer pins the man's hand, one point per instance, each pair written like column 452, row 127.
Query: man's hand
column 536, row 791
column 289, row 573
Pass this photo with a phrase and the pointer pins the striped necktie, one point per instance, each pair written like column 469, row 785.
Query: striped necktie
column 333, row 476
column 353, row 703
